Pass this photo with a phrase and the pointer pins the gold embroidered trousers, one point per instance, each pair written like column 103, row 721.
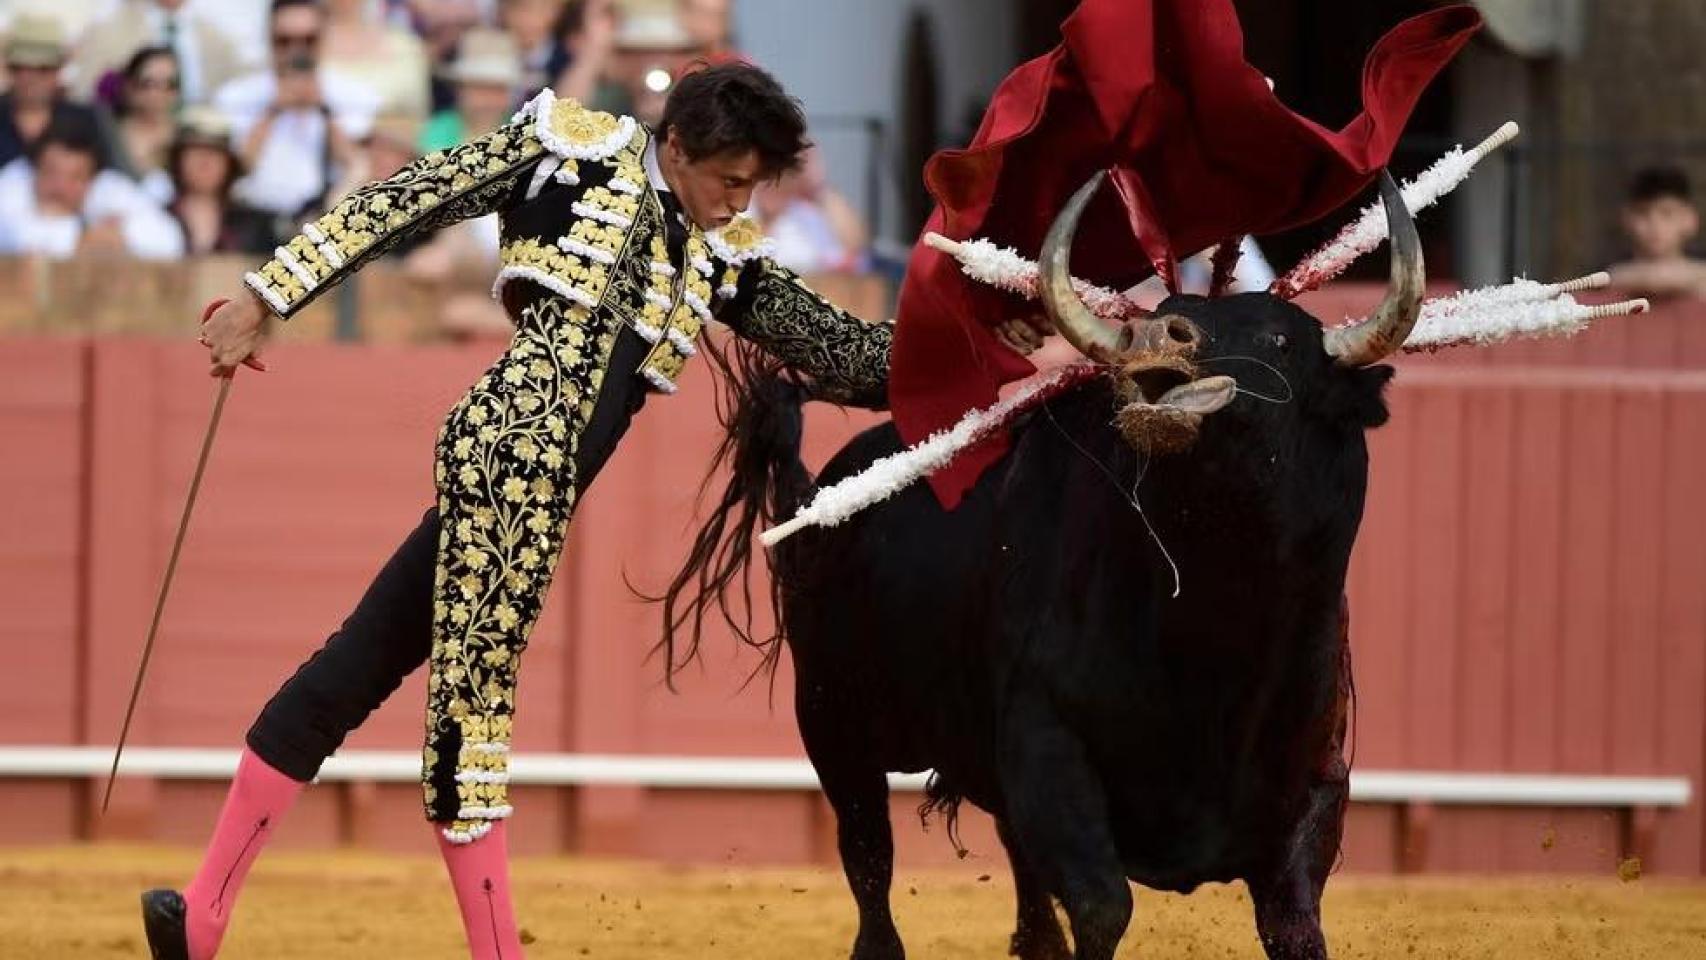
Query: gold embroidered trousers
column 505, row 473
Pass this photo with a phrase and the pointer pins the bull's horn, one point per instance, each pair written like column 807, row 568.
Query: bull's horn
column 1071, row 317
column 1383, row 333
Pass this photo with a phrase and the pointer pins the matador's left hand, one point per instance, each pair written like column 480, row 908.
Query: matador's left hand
column 1025, row 333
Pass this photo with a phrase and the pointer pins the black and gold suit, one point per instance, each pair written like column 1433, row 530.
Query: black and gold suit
column 592, row 276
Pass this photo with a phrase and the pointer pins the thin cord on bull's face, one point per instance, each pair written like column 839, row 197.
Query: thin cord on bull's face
column 1130, row 496
column 1290, row 394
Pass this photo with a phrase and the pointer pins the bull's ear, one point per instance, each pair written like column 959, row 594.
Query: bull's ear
column 1366, row 396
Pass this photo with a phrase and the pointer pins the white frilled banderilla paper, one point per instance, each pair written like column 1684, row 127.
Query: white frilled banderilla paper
column 894, row 473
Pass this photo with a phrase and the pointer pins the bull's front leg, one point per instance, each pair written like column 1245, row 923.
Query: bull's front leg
column 1036, row 933
column 1288, row 897
column 1288, row 894
column 1057, row 809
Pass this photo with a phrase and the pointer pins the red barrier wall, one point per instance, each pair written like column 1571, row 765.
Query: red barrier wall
column 1526, row 594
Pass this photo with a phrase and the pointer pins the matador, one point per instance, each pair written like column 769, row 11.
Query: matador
column 619, row 244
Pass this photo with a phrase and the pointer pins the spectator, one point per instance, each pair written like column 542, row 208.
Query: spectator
column 75, row 17
column 298, row 123
column 487, row 73
column 204, row 168
column 707, row 25
column 35, row 53
column 388, row 147
column 391, row 61
column 653, row 52
column 442, row 25
column 391, row 145
column 58, row 203
column 533, row 25
column 587, row 32
column 144, row 120
column 208, row 58
column 1660, row 220
column 814, row 229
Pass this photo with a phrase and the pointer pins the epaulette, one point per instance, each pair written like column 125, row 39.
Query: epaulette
column 574, row 132
column 739, row 243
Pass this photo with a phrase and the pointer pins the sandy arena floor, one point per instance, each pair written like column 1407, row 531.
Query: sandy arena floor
column 82, row 903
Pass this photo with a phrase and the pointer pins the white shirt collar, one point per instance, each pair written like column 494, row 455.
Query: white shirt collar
column 654, row 172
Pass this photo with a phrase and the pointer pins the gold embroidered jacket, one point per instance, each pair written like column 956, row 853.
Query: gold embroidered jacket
column 581, row 220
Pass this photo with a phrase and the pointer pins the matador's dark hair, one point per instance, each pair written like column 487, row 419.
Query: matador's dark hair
column 736, row 107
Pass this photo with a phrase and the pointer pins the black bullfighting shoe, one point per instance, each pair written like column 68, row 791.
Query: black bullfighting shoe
column 163, row 919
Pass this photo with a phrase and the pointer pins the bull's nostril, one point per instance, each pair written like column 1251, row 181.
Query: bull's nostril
column 1181, row 331
column 1127, row 339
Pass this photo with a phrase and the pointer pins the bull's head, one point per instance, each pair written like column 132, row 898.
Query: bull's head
column 1156, row 359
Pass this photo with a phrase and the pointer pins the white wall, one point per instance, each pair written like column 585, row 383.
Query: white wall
column 844, row 57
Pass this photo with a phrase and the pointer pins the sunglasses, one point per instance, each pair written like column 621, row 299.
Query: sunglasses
column 284, row 41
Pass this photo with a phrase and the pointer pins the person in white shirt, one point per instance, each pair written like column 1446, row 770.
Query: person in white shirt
column 297, row 125
column 814, row 228
column 58, row 203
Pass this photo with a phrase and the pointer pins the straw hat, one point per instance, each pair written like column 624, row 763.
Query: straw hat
column 202, row 126
column 36, row 40
column 652, row 30
column 399, row 129
column 487, row 56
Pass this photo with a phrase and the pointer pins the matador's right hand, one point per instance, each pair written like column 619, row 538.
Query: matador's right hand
column 233, row 332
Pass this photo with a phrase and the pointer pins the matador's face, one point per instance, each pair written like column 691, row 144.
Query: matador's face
column 715, row 189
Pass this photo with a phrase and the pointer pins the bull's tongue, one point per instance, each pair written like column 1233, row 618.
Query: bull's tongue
column 1201, row 397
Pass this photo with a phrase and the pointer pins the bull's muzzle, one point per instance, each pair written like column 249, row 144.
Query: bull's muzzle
column 1163, row 400
column 1153, row 358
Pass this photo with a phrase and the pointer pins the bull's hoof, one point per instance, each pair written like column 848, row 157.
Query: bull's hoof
column 163, row 921
column 1047, row 944
column 883, row 946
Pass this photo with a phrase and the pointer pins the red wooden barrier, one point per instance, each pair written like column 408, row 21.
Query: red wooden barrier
column 1526, row 593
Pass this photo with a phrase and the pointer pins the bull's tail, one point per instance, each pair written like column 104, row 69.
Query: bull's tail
column 943, row 798
column 760, row 410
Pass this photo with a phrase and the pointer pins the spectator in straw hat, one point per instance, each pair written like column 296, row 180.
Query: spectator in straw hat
column 35, row 53
column 654, row 51
column 391, row 145
column 487, row 76
column 706, row 23
column 204, row 167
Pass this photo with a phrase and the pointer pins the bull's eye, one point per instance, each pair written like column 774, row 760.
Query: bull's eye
column 1281, row 341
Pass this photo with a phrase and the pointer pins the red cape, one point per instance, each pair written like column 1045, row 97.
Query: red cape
column 1202, row 151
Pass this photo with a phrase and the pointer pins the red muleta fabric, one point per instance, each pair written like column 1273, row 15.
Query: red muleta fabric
column 1201, row 150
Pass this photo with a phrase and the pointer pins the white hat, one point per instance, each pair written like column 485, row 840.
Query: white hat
column 658, row 30
column 37, row 40
column 487, row 56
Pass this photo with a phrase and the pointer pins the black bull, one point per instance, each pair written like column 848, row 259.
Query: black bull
column 1136, row 663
